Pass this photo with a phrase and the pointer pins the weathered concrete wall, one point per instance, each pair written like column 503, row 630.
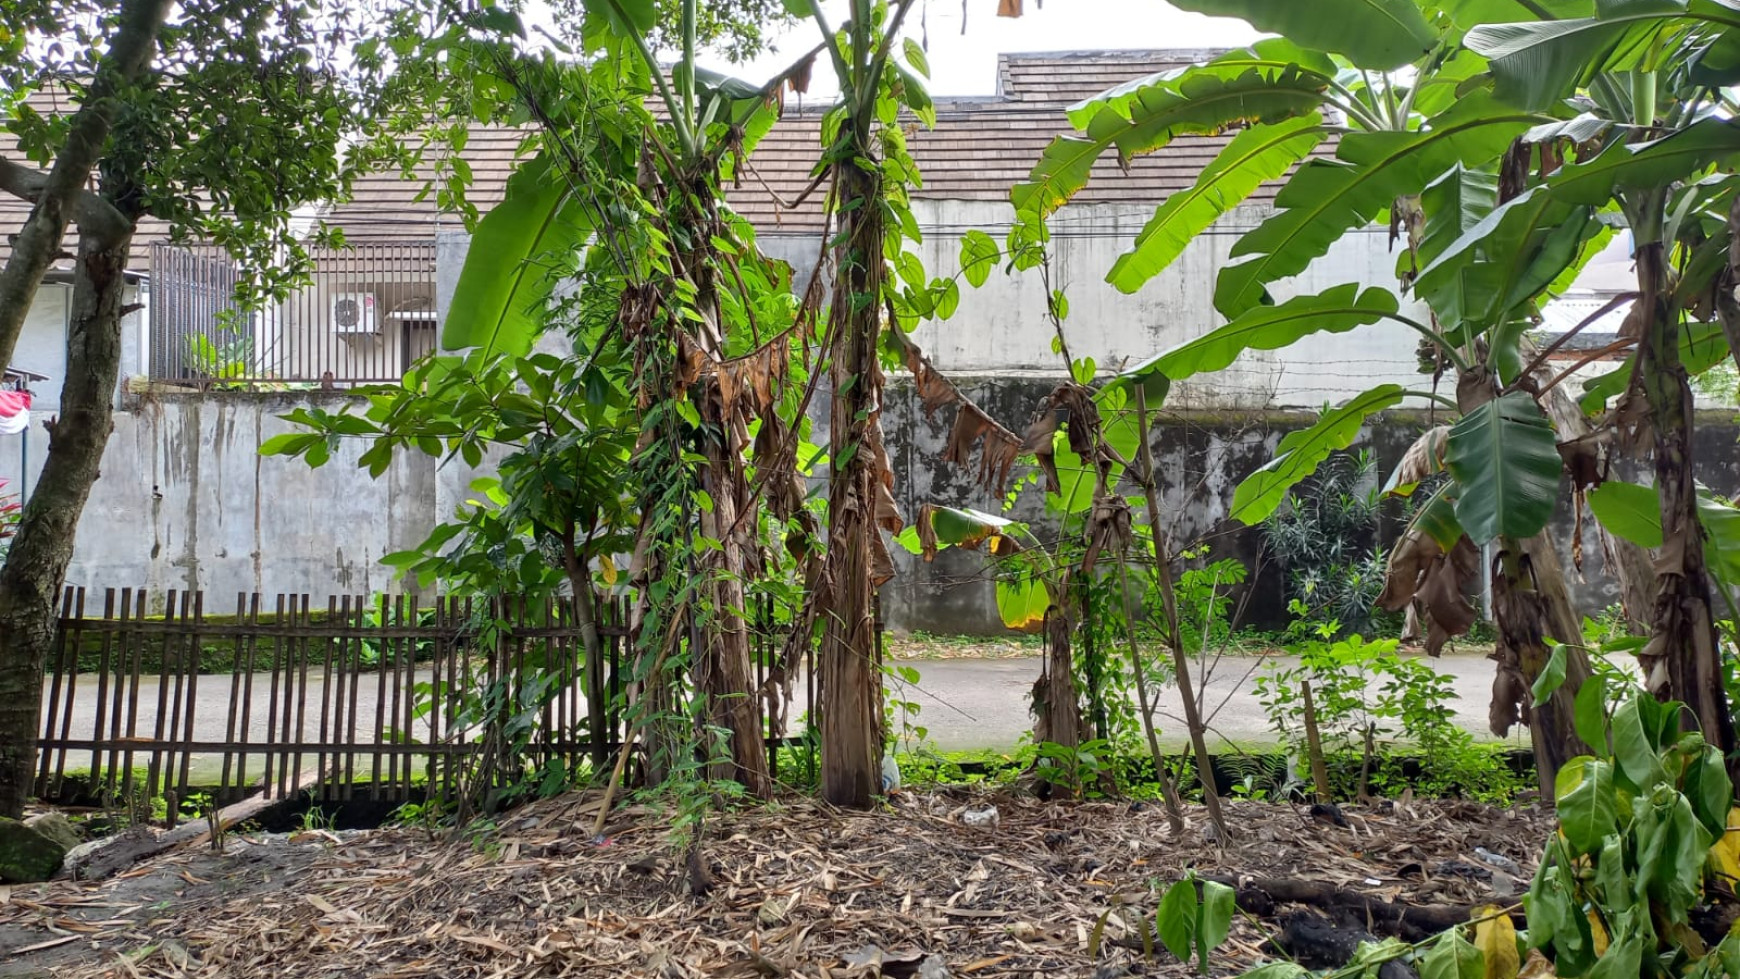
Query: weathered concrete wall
column 1201, row 457
column 186, row 501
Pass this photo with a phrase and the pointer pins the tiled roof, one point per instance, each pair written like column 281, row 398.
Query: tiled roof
column 14, row 212
column 1070, row 76
column 979, row 149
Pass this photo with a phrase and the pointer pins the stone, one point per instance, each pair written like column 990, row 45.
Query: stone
column 26, row 855
column 56, row 827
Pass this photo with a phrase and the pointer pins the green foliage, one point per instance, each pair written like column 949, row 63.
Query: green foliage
column 1638, row 828
column 1385, row 710
column 1379, row 34
column 1324, row 539
column 1258, row 154
column 1300, row 453
column 1195, row 916
column 1505, row 460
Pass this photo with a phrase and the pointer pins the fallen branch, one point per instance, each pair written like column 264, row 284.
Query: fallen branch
column 1409, row 922
column 107, row 857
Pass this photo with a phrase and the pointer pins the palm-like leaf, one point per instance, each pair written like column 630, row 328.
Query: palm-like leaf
column 1301, row 452
column 505, row 284
column 1201, row 100
column 1380, row 34
column 1335, row 310
column 1506, row 464
column 1327, row 198
column 1255, row 156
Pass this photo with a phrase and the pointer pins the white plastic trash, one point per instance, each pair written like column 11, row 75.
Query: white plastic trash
column 985, row 818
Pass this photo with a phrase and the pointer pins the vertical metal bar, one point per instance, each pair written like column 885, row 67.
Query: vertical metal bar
column 196, row 653
column 272, row 699
column 57, row 669
column 321, row 755
column 358, row 619
column 253, row 646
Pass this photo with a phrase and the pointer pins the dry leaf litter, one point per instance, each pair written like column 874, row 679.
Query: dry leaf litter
column 798, row 889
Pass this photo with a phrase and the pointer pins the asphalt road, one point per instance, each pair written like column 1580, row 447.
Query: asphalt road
column 964, row 703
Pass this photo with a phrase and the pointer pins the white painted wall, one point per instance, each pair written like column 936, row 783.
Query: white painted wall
column 1002, row 326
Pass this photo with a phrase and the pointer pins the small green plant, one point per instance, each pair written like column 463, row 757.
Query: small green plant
column 1641, row 828
column 314, row 819
column 1324, row 538
column 1189, row 923
column 1366, row 696
column 1088, row 769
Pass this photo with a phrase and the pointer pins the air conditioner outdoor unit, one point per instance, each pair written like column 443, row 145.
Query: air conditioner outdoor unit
column 353, row 313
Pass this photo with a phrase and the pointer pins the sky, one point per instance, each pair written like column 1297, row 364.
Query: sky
column 966, row 64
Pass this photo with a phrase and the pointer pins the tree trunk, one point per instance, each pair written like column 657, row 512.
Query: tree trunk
column 1681, row 660
column 56, row 199
column 851, row 696
column 726, row 674
column 1531, row 604
column 35, row 569
column 586, row 617
column 1056, row 702
column 1174, row 636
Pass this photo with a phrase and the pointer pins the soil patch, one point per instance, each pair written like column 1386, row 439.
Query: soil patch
column 796, row 889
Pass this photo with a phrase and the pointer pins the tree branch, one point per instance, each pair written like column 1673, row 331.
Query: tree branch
column 39, row 241
column 90, row 212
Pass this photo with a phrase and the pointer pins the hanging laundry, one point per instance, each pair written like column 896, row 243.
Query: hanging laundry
column 14, row 412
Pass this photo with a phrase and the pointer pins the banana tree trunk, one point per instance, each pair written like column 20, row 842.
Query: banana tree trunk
column 1682, row 659
column 726, row 675
column 35, row 568
column 1628, row 563
column 1530, row 605
column 1056, row 701
column 851, row 697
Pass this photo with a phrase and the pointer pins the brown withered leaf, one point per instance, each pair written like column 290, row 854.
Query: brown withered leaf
column 1424, row 458
column 1008, row 8
column 1419, row 572
column 998, row 447
column 1039, row 442
column 798, row 80
column 1108, row 529
column 926, row 531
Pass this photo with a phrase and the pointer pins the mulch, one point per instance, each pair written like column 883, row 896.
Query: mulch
column 798, row 889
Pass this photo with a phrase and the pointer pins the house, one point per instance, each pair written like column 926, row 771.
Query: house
column 186, row 501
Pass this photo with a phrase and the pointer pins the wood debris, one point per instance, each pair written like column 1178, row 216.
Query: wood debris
column 800, row 890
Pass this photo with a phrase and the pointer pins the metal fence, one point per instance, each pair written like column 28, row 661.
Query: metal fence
column 353, row 698
column 366, row 314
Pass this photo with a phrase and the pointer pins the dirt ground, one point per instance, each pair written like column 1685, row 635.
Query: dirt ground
column 796, row 889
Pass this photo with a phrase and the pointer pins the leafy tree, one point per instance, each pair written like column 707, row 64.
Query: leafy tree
column 215, row 116
column 1458, row 136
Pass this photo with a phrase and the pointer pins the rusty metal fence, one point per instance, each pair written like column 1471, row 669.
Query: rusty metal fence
column 353, row 698
column 365, row 315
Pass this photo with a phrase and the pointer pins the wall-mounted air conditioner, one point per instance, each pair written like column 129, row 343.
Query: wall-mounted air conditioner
column 353, row 313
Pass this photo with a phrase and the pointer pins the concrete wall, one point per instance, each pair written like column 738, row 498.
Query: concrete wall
column 186, row 501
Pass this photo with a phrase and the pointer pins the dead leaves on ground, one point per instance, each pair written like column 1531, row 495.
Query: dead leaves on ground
column 800, row 890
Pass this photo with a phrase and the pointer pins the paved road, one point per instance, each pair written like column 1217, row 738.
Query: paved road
column 969, row 704
column 964, row 704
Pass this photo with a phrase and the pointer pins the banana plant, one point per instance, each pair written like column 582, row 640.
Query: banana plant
column 1379, row 110
column 1653, row 141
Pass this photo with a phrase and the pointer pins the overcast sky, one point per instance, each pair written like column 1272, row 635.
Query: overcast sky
column 966, row 64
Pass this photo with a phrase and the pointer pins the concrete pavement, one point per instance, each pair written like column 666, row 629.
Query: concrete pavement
column 964, row 704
